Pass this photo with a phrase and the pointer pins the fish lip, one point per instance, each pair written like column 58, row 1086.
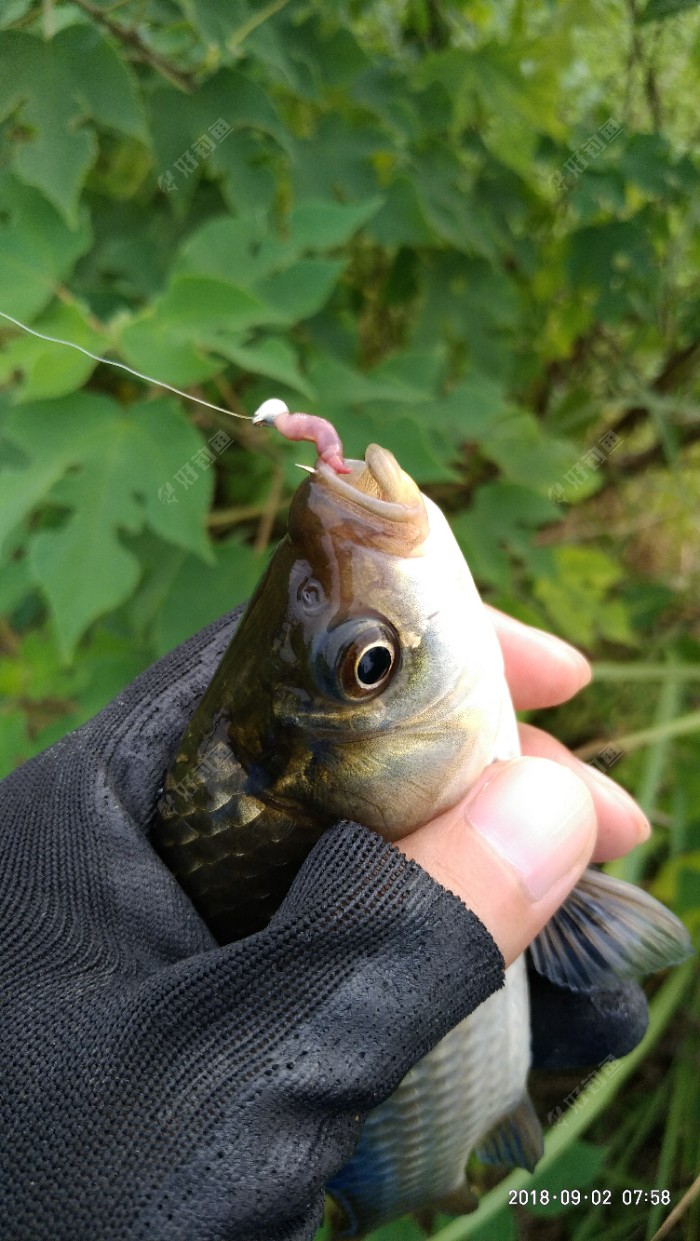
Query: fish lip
column 401, row 495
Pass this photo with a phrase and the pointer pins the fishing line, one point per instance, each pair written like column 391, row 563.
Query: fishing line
column 272, row 413
column 70, row 344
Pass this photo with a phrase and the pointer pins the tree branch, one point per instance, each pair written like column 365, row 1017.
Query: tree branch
column 637, row 462
column 132, row 39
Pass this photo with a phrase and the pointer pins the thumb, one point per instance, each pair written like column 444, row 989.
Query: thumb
column 513, row 848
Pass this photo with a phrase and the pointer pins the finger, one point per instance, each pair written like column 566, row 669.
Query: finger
column 513, row 849
column 621, row 822
column 541, row 670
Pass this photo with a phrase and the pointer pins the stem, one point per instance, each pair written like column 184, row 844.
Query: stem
column 680, row 1208
column 239, row 36
column 267, row 519
column 689, row 723
column 666, row 714
column 221, row 518
column 646, row 672
column 664, row 1167
column 630, row 1136
column 49, row 18
column 631, row 867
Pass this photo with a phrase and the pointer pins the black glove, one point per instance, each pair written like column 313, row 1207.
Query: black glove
column 155, row 1085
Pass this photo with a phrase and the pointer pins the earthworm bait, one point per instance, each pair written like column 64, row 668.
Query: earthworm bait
column 318, row 431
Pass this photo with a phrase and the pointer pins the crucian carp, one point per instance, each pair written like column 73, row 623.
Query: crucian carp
column 364, row 680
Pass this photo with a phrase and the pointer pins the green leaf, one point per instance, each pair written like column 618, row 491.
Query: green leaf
column 502, row 1227
column 577, row 597
column 246, row 172
column 400, row 380
column 300, row 291
column 177, row 121
column 13, row 10
column 489, row 80
column 273, row 358
column 200, row 311
column 15, row 584
column 657, row 10
column 411, row 377
column 403, row 220
column 646, row 161
column 14, row 741
column 55, row 84
column 614, row 260
column 198, row 316
column 192, row 304
column 49, row 369
column 103, row 84
column 44, row 698
column 198, row 593
column 37, row 248
column 443, row 187
column 525, row 454
column 83, row 568
column 241, row 249
column 216, row 20
column 473, row 306
column 108, row 662
column 337, row 160
column 322, row 225
column 271, row 264
column 473, row 409
column 498, row 528
column 149, row 344
column 112, row 471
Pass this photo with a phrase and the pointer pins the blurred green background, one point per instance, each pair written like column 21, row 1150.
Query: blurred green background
column 467, row 231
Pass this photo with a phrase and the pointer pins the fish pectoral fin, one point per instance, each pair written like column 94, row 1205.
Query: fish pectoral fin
column 607, row 930
column 516, row 1140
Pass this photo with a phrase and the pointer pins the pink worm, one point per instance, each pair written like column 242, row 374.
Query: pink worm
column 317, row 431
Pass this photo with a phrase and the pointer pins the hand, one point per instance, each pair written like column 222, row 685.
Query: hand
column 516, row 845
column 157, row 1085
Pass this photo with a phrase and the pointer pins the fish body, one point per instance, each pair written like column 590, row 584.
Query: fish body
column 414, row 1148
column 365, row 681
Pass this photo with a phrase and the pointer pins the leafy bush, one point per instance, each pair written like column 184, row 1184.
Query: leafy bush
column 467, row 233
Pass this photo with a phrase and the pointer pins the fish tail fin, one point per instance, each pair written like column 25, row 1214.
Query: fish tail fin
column 608, row 930
column 516, row 1140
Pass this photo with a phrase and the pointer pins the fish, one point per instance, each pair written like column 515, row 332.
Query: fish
column 365, row 681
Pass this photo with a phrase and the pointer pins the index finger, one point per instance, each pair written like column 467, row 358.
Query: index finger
column 541, row 670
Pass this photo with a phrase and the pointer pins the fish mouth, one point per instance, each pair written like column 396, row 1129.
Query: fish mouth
column 377, row 485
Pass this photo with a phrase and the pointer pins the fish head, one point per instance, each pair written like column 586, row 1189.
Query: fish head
column 365, row 678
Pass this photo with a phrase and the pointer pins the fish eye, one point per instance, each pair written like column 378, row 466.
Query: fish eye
column 357, row 659
column 365, row 664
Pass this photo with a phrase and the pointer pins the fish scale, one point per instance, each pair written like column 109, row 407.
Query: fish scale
column 365, row 681
column 414, row 1148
